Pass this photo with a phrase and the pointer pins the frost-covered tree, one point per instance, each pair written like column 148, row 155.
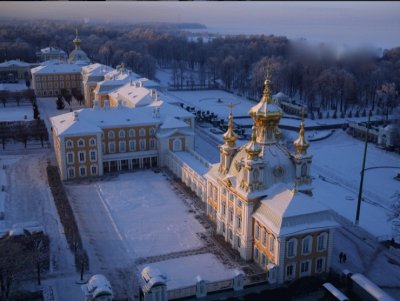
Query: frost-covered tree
column 394, row 215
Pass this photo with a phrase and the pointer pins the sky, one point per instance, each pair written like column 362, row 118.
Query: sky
column 376, row 23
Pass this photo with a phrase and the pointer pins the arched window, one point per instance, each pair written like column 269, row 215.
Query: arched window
column 142, row 132
column 177, row 145
column 142, row 144
column 131, row 132
column 322, row 242
column 81, row 142
column 92, row 142
column 132, row 145
column 152, row 131
column 304, row 170
column 121, row 133
column 306, row 245
column 111, row 135
column 291, row 247
column 70, row 144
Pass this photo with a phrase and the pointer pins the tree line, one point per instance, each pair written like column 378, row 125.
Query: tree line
column 318, row 76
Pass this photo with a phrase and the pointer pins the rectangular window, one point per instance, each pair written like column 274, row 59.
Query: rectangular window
column 320, row 265
column 321, row 243
column 132, row 145
column 290, row 249
column 81, row 157
column 111, row 147
column 92, row 156
column 305, row 268
column 142, row 144
column 256, row 254
column 256, row 232
column 238, row 222
column 289, row 271
column 94, row 169
column 264, row 237
column 230, row 215
column 271, row 244
column 71, row 172
column 306, row 245
column 61, row 85
column 82, row 171
column 70, row 158
column 223, row 208
column 223, row 228
column 122, row 147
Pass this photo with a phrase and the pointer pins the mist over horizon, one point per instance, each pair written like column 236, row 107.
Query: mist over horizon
column 342, row 24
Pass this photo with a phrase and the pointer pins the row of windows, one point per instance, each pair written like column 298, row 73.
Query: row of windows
column 57, row 85
column 237, row 242
column 131, row 146
column 81, row 143
column 131, row 133
column 81, row 156
column 82, row 172
column 55, row 77
column 306, row 245
column 305, row 268
column 261, row 234
column 232, row 197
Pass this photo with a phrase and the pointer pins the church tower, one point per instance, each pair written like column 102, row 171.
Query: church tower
column 302, row 161
column 253, row 165
column 266, row 116
column 229, row 149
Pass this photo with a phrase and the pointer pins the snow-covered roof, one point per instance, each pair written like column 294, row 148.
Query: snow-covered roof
column 11, row 63
column 193, row 162
column 132, row 96
column 91, row 121
column 96, row 69
column 173, row 123
column 371, row 287
column 280, row 95
column 98, row 285
column 56, row 68
column 48, row 50
column 285, row 211
column 78, row 56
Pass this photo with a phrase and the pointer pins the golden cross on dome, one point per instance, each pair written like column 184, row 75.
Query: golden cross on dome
column 230, row 105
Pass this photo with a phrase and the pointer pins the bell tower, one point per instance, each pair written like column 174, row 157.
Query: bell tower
column 228, row 149
column 253, row 165
column 302, row 161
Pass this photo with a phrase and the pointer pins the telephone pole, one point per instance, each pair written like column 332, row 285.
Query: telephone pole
column 362, row 172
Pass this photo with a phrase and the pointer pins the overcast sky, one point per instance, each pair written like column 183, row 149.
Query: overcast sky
column 376, row 23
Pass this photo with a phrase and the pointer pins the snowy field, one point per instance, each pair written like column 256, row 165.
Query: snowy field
column 15, row 113
column 150, row 216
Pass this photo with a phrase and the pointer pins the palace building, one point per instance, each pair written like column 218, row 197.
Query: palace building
column 51, row 53
column 52, row 76
column 260, row 198
column 93, row 141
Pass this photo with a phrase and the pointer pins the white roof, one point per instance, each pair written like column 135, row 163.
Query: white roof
column 371, row 287
column 96, row 69
column 287, row 212
column 98, row 285
column 173, row 123
column 193, row 162
column 17, row 63
column 91, row 121
column 132, row 96
column 52, row 50
column 334, row 291
column 152, row 276
column 56, row 68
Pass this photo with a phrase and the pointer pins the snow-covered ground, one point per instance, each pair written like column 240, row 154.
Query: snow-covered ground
column 20, row 86
column 140, row 217
column 15, row 113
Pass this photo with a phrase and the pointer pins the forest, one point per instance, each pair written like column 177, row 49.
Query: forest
column 318, row 76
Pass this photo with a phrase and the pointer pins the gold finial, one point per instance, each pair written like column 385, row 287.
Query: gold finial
column 301, row 144
column 77, row 41
column 253, row 148
column 267, row 91
column 230, row 136
column 76, row 32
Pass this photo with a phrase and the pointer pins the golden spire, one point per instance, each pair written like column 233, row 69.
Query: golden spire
column 230, row 136
column 266, row 98
column 253, row 149
column 301, row 144
column 77, row 41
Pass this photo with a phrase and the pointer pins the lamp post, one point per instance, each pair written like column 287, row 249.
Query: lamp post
column 362, row 172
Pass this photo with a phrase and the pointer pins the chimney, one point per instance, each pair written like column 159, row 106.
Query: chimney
column 76, row 117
